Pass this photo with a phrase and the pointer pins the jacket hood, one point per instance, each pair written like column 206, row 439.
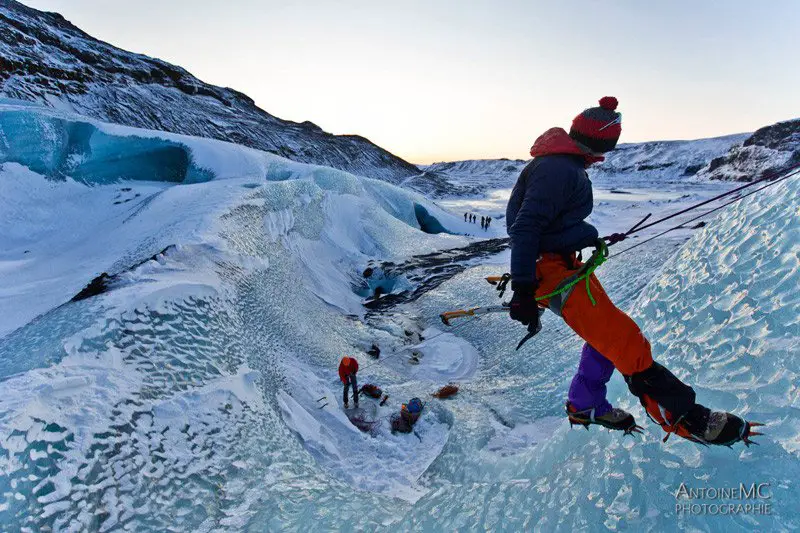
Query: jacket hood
column 557, row 141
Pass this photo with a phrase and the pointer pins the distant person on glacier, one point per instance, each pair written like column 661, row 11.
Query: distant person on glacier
column 483, row 222
column 465, row 217
column 348, row 368
column 545, row 219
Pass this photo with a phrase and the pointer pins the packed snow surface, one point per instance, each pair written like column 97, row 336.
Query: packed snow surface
column 200, row 392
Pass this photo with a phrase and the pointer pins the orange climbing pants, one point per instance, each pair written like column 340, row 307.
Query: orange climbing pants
column 607, row 329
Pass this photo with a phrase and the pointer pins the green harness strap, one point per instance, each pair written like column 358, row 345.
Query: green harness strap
column 598, row 257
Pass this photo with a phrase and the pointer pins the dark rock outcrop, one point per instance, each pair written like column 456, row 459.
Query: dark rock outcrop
column 770, row 150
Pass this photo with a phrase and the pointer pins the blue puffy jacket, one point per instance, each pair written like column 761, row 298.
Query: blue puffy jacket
column 546, row 212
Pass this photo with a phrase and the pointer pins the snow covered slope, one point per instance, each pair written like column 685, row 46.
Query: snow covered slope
column 673, row 160
column 46, row 59
column 479, row 175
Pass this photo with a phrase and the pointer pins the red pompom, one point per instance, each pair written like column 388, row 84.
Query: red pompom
column 609, row 102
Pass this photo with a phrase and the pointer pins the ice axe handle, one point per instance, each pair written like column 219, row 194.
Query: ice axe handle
column 448, row 315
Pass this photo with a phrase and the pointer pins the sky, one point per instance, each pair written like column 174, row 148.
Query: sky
column 441, row 80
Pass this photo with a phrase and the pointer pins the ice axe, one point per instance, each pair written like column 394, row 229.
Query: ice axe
column 501, row 284
column 533, row 327
column 447, row 316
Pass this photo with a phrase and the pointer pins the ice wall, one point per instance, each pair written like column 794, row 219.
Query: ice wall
column 58, row 148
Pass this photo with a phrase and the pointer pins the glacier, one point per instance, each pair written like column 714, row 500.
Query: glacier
column 186, row 396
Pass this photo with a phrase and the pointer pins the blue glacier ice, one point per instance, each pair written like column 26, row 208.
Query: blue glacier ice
column 185, row 398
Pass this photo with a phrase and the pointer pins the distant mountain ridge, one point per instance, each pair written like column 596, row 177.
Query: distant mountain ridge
column 742, row 157
column 647, row 160
column 45, row 58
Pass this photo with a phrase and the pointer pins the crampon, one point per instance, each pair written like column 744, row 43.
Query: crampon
column 716, row 428
column 704, row 426
column 743, row 436
column 616, row 419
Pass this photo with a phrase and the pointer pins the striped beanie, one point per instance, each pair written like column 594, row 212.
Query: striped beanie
column 598, row 128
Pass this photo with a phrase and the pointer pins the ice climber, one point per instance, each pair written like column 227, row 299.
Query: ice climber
column 348, row 368
column 545, row 218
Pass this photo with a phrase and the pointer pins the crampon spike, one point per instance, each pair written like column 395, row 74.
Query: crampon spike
column 750, row 433
column 636, row 428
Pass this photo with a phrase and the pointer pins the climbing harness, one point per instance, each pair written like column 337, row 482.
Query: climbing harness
column 559, row 297
column 556, row 299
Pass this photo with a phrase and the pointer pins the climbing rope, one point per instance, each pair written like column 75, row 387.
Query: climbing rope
column 704, row 214
column 788, row 171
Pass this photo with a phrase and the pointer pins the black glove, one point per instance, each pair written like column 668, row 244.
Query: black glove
column 523, row 304
column 614, row 238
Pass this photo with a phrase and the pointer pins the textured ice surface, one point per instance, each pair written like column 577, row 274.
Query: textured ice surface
column 723, row 314
column 167, row 401
column 186, row 397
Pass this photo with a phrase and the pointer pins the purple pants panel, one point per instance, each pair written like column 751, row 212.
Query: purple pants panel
column 588, row 387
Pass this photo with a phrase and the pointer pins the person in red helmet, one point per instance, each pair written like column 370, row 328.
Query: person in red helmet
column 348, row 368
column 546, row 222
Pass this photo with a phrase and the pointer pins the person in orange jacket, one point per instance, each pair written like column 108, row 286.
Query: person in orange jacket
column 348, row 368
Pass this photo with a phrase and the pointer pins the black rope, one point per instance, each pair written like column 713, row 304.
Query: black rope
column 706, row 213
column 789, row 171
